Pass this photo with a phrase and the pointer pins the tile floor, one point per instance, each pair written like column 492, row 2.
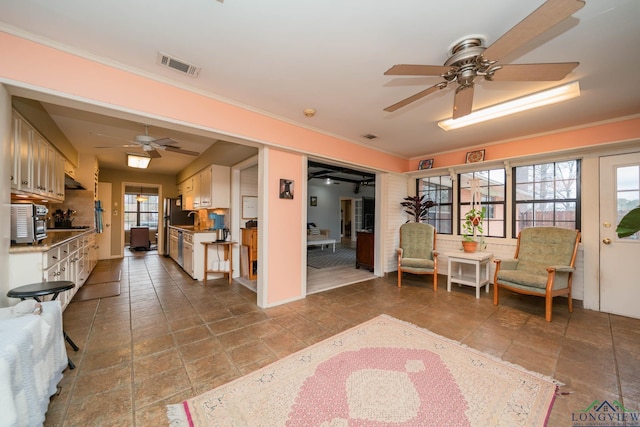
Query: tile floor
column 167, row 338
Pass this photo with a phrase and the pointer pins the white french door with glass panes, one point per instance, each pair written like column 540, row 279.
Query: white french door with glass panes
column 619, row 257
column 358, row 214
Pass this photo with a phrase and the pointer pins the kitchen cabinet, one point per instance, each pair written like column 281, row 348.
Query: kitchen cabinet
column 187, row 253
column 22, row 150
column 193, row 252
column 70, row 256
column 204, row 188
column 173, row 244
column 208, row 189
column 220, row 190
column 186, row 191
column 364, row 250
column 250, row 251
column 36, row 166
column 40, row 156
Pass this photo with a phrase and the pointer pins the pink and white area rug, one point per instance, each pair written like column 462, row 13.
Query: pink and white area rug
column 382, row 372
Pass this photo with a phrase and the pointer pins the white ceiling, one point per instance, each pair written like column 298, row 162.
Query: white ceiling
column 282, row 56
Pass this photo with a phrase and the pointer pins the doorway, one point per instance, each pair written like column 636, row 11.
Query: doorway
column 140, row 217
column 336, row 209
column 103, row 238
column 347, row 220
column 619, row 267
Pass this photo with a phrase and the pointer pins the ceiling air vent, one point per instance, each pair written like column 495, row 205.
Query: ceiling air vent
column 369, row 136
column 177, row 64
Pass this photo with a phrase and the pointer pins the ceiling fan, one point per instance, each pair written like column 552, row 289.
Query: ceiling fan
column 470, row 59
column 151, row 145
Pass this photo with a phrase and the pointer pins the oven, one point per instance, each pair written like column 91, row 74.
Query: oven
column 28, row 223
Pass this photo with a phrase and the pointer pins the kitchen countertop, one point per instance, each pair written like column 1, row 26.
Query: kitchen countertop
column 191, row 229
column 54, row 238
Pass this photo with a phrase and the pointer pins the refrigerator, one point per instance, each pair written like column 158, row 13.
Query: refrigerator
column 174, row 215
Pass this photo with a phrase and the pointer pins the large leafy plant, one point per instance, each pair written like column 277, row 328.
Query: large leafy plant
column 417, row 207
column 629, row 224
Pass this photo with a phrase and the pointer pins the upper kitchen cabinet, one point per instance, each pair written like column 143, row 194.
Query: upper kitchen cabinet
column 215, row 187
column 185, row 189
column 208, row 189
column 37, row 168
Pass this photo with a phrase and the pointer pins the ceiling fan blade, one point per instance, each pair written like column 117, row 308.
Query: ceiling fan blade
column 118, row 146
column 416, row 97
column 164, row 141
column 417, row 70
column 463, row 101
column 540, row 20
column 179, row 150
column 532, row 72
column 153, row 153
column 110, row 136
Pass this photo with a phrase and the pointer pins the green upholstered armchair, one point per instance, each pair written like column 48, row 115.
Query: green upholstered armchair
column 417, row 252
column 543, row 265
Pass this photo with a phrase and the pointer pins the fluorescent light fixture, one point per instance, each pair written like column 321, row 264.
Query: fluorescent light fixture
column 539, row 99
column 135, row 161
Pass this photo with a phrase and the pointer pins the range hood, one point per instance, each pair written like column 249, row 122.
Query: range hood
column 72, row 184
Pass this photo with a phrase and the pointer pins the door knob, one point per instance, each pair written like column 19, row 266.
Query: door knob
column 606, row 241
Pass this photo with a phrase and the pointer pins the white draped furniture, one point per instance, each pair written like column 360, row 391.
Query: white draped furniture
column 32, row 358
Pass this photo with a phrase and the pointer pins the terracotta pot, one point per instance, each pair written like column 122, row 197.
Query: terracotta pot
column 469, row 246
column 475, row 221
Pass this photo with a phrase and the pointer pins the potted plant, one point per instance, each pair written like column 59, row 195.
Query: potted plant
column 417, row 207
column 471, row 226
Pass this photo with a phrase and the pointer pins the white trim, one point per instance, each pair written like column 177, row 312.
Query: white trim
column 262, row 288
column 304, row 192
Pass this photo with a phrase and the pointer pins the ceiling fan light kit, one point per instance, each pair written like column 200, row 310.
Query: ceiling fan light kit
column 135, row 161
column 471, row 59
column 535, row 100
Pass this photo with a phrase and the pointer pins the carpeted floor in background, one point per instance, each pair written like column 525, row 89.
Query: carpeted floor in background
column 326, row 258
column 381, row 372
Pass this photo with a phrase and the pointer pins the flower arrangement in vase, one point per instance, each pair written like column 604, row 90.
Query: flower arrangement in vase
column 471, row 226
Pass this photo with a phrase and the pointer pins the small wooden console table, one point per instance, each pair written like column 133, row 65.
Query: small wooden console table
column 228, row 256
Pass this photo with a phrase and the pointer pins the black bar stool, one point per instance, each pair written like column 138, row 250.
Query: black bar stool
column 37, row 290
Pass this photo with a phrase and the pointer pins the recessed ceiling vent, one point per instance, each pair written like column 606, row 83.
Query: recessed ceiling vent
column 178, row 64
column 369, row 136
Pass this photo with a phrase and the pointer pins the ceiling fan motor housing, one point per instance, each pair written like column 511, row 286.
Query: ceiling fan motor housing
column 466, row 58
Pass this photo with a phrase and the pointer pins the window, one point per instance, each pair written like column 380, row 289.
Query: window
column 627, row 192
column 439, row 189
column 546, row 195
column 140, row 214
column 493, row 192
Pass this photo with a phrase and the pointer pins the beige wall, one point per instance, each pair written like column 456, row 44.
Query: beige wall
column 168, row 188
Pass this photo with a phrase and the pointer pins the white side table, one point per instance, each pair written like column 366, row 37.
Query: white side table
column 481, row 262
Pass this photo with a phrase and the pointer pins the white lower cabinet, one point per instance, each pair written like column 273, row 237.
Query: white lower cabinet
column 173, row 244
column 71, row 260
column 188, row 258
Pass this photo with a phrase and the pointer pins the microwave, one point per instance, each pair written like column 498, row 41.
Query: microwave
column 28, row 223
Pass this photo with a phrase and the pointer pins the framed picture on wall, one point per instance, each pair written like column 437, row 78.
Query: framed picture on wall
column 286, row 189
column 313, row 201
column 475, row 156
column 425, row 164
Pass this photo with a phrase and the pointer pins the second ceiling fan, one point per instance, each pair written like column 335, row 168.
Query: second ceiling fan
column 151, row 145
column 470, row 59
